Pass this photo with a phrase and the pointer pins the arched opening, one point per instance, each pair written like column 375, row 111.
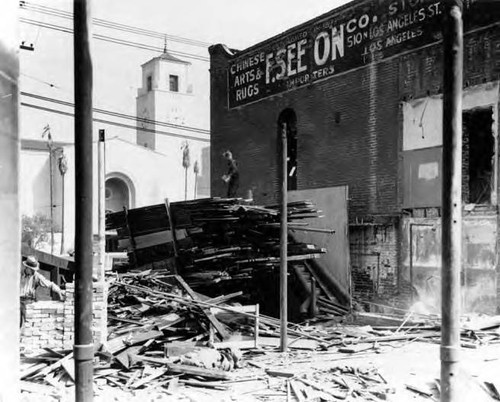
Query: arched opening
column 289, row 118
column 117, row 195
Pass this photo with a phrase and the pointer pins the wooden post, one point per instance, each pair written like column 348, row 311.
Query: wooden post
column 452, row 200
column 312, row 305
column 284, row 243
column 83, row 348
column 174, row 236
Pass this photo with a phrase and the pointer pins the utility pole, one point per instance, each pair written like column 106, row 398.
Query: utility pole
column 452, row 199
column 83, row 348
column 284, row 243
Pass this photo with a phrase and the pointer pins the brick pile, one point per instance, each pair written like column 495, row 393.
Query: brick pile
column 51, row 323
column 44, row 326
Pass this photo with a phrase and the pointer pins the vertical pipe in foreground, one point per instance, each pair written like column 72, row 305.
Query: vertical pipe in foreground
column 10, row 218
column 83, row 348
column 452, row 199
column 101, row 234
column 284, row 243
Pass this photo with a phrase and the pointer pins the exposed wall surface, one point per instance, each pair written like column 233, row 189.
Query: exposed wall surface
column 374, row 248
column 421, row 262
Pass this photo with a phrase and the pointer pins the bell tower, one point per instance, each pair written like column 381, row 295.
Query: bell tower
column 163, row 98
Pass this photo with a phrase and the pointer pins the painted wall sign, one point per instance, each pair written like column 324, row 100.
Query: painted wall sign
column 350, row 38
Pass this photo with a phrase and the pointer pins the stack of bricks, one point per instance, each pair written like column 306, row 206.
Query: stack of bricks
column 51, row 323
column 44, row 326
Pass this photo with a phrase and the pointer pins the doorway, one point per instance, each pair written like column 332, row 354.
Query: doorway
column 117, row 194
column 477, row 156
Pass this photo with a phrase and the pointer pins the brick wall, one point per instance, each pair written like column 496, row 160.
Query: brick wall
column 51, row 323
column 349, row 130
column 374, row 249
column 346, row 127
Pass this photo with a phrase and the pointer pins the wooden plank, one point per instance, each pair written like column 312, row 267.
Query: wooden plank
column 142, row 337
column 206, row 311
column 249, row 343
column 39, row 389
column 119, row 343
column 153, row 239
column 174, row 235
column 55, row 365
column 154, row 376
column 49, row 259
column 297, row 391
column 198, row 371
column 223, row 298
column 69, row 367
column 280, row 373
column 32, row 369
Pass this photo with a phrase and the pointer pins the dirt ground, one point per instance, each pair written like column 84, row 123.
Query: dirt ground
column 399, row 364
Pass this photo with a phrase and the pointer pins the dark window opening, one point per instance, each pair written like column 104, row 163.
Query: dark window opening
column 149, row 83
column 174, row 83
column 289, row 118
column 478, row 149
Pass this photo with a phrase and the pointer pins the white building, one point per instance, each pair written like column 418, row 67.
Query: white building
column 137, row 174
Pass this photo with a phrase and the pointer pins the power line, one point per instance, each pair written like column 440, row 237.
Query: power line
column 121, row 115
column 113, row 123
column 113, row 25
column 111, row 39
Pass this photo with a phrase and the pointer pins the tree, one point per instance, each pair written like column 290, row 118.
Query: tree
column 35, row 229
column 196, row 170
column 186, row 162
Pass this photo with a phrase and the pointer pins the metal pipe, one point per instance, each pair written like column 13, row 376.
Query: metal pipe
column 284, row 243
column 83, row 348
column 51, row 194
column 63, row 199
column 101, row 165
column 452, row 199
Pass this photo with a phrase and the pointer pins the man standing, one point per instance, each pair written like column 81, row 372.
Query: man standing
column 232, row 178
column 31, row 279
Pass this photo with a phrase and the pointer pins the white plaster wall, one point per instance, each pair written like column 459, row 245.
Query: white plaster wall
column 423, row 118
column 153, row 176
column 34, row 173
column 171, row 68
column 171, row 147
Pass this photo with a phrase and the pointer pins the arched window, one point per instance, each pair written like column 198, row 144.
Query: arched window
column 289, row 118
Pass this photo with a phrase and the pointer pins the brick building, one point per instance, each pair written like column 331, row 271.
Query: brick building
column 360, row 89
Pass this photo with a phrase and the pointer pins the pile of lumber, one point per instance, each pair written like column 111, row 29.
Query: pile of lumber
column 225, row 234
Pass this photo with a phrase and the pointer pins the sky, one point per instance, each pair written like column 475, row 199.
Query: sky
column 236, row 23
column 48, row 70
